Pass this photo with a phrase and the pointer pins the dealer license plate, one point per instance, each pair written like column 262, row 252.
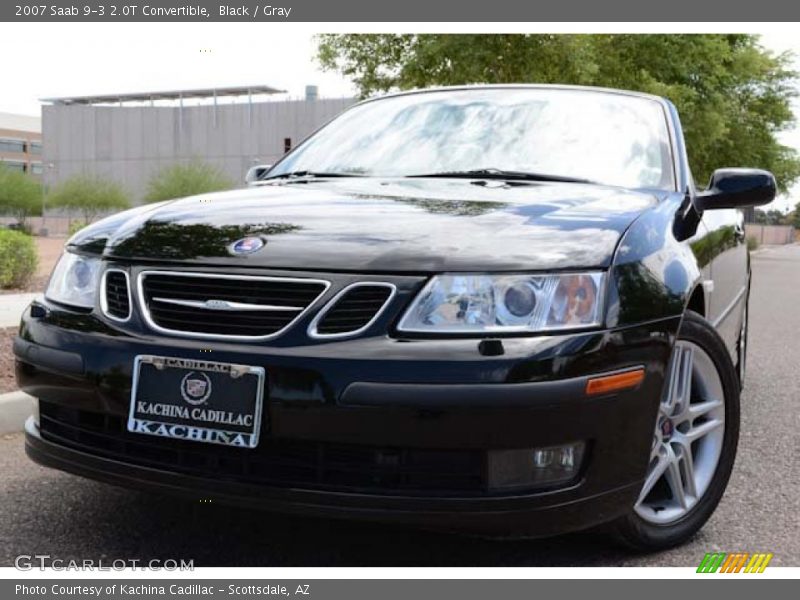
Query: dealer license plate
column 197, row 400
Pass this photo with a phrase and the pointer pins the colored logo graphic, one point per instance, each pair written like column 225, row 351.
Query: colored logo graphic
column 195, row 387
column 735, row 562
column 246, row 245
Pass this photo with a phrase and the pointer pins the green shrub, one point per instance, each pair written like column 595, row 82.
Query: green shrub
column 20, row 195
column 752, row 243
column 18, row 258
column 190, row 179
column 89, row 195
column 75, row 227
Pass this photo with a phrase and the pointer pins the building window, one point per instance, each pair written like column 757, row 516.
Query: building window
column 7, row 145
column 35, row 148
column 37, row 168
column 14, row 165
column 287, row 145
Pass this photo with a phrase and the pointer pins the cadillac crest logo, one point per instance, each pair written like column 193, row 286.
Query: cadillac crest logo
column 246, row 245
column 195, row 387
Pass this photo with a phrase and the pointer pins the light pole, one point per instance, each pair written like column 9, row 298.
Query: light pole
column 50, row 168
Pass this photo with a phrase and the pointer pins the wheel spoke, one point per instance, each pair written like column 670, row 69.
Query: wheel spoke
column 699, row 409
column 683, row 453
column 655, row 450
column 695, row 433
column 685, row 379
column 680, row 388
column 655, row 474
column 668, row 403
column 673, row 477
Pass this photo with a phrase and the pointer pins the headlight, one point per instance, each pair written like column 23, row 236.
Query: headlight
column 74, row 280
column 506, row 303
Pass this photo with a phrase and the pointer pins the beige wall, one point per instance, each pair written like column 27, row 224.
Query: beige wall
column 770, row 234
column 55, row 225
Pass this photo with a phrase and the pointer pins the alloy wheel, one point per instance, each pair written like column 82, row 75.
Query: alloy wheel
column 688, row 437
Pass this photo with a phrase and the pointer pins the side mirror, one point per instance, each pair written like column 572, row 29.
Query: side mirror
column 738, row 188
column 256, row 173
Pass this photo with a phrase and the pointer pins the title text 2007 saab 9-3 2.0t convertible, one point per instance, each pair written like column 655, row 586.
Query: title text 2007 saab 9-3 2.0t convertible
column 501, row 310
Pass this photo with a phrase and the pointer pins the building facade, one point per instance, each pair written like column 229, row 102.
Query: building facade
column 21, row 143
column 130, row 143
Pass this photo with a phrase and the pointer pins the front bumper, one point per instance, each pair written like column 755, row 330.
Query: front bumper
column 336, row 409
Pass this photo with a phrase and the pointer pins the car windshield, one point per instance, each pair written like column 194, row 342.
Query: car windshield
column 603, row 137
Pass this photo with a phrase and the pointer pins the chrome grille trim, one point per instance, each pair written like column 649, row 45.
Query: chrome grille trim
column 216, row 336
column 104, row 298
column 312, row 328
column 213, row 304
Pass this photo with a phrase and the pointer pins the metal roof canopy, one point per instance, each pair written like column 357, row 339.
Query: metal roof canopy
column 168, row 95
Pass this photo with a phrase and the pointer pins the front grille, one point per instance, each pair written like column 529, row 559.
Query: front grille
column 354, row 309
column 116, row 295
column 223, row 305
column 275, row 462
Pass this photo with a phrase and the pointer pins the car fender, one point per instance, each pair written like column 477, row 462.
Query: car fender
column 653, row 274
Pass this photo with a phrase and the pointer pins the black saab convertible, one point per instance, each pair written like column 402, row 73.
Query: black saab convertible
column 502, row 310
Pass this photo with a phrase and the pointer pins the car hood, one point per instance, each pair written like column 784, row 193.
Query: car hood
column 383, row 225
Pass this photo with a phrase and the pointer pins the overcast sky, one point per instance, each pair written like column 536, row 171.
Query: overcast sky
column 47, row 59
column 42, row 60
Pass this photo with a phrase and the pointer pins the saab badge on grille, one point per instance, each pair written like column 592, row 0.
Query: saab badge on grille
column 195, row 387
column 246, row 245
column 215, row 304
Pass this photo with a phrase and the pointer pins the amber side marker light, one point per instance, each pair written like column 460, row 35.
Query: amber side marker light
column 615, row 382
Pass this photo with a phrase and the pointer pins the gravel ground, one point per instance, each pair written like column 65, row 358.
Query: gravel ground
column 36, row 284
column 7, row 381
column 49, row 250
column 48, row 512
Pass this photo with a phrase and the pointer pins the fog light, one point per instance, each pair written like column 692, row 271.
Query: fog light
column 535, row 467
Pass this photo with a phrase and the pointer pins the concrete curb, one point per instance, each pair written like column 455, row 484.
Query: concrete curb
column 12, row 306
column 15, row 408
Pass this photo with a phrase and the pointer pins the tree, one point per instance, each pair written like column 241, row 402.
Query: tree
column 190, row 179
column 796, row 216
column 733, row 95
column 89, row 195
column 769, row 217
column 20, row 195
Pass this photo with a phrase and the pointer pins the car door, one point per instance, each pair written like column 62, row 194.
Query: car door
column 729, row 272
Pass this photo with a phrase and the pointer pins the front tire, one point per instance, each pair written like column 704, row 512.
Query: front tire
column 694, row 445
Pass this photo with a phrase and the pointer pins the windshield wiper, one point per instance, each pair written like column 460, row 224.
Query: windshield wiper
column 308, row 174
column 491, row 173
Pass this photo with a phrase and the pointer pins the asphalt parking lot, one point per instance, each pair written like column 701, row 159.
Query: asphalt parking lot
column 47, row 512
